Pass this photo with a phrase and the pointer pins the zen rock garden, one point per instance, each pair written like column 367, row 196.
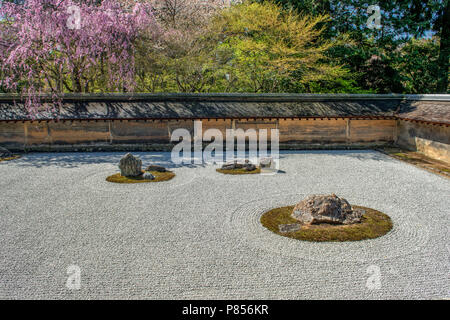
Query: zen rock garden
column 203, row 235
column 131, row 172
column 326, row 218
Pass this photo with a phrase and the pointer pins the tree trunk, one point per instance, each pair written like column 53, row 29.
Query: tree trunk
column 444, row 51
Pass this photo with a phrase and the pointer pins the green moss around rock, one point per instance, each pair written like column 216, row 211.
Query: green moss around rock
column 239, row 171
column 10, row 158
column 374, row 224
column 159, row 177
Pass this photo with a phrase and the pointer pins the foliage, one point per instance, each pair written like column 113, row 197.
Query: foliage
column 373, row 57
column 309, row 46
column 417, row 62
column 48, row 50
column 266, row 49
column 182, row 59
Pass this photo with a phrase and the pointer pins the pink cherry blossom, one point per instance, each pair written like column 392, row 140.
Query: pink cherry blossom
column 44, row 50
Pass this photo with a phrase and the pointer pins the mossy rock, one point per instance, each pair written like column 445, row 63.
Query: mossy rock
column 238, row 171
column 10, row 158
column 159, row 177
column 373, row 224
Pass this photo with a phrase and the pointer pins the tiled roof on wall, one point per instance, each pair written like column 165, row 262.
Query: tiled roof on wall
column 220, row 106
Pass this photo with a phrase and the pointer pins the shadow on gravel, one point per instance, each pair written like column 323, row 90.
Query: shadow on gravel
column 77, row 159
column 357, row 154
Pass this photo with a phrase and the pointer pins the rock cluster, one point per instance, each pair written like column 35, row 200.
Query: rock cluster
column 330, row 209
column 130, row 166
column 235, row 165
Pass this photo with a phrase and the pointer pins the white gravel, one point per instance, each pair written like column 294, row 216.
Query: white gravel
column 198, row 235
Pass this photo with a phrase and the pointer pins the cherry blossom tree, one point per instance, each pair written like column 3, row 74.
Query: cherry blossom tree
column 187, row 13
column 57, row 46
column 183, row 58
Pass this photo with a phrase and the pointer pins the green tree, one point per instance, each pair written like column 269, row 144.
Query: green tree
column 266, row 49
column 182, row 59
column 374, row 49
column 417, row 60
column 444, row 49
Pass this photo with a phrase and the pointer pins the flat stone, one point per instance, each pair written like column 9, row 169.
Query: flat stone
column 249, row 167
column 232, row 165
column 292, row 227
column 228, row 167
column 156, row 168
column 148, row 176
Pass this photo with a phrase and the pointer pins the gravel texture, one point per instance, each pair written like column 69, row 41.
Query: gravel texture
column 198, row 235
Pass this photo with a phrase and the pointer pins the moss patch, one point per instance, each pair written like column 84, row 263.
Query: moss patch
column 374, row 224
column 419, row 160
column 10, row 158
column 159, row 176
column 239, row 171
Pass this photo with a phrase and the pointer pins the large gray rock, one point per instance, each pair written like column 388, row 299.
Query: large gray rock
column 130, row 166
column 331, row 209
column 5, row 153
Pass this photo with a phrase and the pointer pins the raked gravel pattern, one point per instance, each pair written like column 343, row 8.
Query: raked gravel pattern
column 198, row 236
